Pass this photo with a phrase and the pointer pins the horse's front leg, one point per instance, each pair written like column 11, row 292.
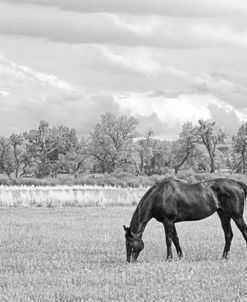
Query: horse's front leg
column 169, row 230
column 176, row 243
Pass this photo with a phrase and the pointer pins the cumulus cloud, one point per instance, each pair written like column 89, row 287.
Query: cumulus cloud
column 82, row 114
column 35, row 96
column 168, row 114
column 162, row 61
column 25, row 113
column 224, row 87
column 161, row 129
column 225, row 117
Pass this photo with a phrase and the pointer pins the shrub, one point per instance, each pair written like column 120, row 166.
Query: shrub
column 123, row 179
column 5, row 180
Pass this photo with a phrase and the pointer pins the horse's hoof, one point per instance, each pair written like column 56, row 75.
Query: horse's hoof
column 225, row 257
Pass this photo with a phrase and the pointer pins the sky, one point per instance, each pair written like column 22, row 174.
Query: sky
column 164, row 62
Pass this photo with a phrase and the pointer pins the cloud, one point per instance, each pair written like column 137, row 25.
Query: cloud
column 10, row 71
column 168, row 93
column 37, row 96
column 168, row 114
column 28, row 96
column 82, row 114
column 164, row 113
column 202, row 8
column 160, row 128
column 140, row 63
column 25, row 113
column 226, row 118
column 222, row 34
column 118, row 29
column 224, row 86
column 4, row 93
column 71, row 27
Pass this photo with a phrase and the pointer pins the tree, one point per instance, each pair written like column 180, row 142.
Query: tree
column 44, row 146
column 240, row 145
column 210, row 137
column 199, row 160
column 154, row 155
column 144, row 150
column 17, row 142
column 41, row 147
column 111, row 143
column 73, row 161
column 6, row 157
column 185, row 146
column 160, row 160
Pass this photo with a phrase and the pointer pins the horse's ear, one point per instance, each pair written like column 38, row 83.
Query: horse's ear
column 127, row 231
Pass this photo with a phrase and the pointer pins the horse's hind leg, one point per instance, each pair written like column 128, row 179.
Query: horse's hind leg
column 169, row 230
column 241, row 225
column 226, row 225
column 176, row 243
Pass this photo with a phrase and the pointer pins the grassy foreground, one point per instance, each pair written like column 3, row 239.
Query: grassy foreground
column 78, row 254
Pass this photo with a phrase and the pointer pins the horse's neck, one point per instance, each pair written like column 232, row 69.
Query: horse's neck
column 140, row 219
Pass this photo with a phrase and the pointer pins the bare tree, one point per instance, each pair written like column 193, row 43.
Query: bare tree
column 210, row 137
column 240, row 145
column 6, row 157
column 17, row 142
column 186, row 144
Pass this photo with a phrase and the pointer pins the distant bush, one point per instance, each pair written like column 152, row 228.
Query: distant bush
column 123, row 179
column 5, row 180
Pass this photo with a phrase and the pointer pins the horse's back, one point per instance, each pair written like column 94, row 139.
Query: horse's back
column 182, row 201
column 185, row 201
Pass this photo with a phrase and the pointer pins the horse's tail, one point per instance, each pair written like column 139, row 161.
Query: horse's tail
column 243, row 186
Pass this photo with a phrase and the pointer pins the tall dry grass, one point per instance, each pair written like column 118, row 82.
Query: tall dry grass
column 62, row 196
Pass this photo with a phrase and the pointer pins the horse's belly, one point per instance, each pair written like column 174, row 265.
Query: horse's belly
column 195, row 214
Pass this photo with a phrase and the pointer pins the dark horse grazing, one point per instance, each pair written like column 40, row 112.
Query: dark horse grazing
column 172, row 201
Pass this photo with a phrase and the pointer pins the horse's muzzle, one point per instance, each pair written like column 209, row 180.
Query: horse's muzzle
column 133, row 257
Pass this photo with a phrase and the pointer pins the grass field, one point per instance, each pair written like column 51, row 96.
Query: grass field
column 78, row 254
column 68, row 196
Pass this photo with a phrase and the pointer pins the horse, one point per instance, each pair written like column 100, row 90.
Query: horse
column 171, row 201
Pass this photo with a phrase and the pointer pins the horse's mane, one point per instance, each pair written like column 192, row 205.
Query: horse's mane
column 154, row 186
column 137, row 210
column 136, row 214
column 147, row 193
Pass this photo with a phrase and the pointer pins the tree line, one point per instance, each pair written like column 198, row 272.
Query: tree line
column 115, row 145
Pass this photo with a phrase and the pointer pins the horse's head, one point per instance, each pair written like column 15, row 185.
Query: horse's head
column 134, row 245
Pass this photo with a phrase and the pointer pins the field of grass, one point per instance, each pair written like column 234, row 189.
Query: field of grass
column 78, row 254
column 63, row 196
